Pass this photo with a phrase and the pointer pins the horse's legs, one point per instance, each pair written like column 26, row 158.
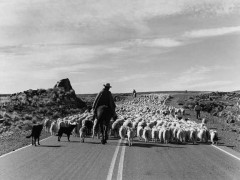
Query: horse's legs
column 106, row 133
column 38, row 140
column 35, row 141
column 93, row 133
column 102, row 131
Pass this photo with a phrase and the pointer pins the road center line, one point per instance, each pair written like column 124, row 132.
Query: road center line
column 22, row 148
column 110, row 171
column 120, row 167
column 227, row 152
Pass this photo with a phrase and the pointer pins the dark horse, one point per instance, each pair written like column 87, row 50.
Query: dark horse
column 104, row 116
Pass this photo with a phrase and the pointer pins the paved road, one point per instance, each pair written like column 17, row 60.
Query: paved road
column 91, row 160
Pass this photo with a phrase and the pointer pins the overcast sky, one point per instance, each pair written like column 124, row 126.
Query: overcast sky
column 146, row 45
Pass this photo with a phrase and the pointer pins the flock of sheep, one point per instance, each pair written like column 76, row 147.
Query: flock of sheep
column 146, row 117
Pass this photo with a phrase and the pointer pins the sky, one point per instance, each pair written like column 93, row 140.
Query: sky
column 146, row 45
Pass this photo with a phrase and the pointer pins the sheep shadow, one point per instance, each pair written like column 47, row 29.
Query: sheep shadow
column 114, row 138
column 91, row 142
column 230, row 146
column 149, row 145
column 73, row 141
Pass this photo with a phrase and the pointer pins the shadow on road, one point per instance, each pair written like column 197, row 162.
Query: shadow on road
column 90, row 142
column 70, row 141
column 150, row 145
column 49, row 146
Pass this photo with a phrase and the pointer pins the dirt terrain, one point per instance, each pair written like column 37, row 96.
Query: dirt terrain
column 14, row 138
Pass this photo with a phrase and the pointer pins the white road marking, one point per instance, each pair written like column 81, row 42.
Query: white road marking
column 227, row 152
column 110, row 171
column 21, row 148
column 120, row 167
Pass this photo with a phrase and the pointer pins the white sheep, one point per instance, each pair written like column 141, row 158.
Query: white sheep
column 122, row 132
column 166, row 135
column 181, row 136
column 130, row 135
column 146, row 134
column 53, row 128
column 202, row 135
column 139, row 132
column 193, row 136
column 213, row 136
column 82, row 133
column 155, row 134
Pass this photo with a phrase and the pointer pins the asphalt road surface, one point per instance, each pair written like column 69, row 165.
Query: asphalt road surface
column 54, row 160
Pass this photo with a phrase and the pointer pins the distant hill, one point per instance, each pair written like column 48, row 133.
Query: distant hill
column 4, row 95
column 238, row 91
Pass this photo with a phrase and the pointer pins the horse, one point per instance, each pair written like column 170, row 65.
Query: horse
column 104, row 115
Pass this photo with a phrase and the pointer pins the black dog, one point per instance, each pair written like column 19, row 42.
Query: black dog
column 36, row 132
column 66, row 130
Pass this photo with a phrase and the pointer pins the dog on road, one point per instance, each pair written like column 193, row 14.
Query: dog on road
column 36, row 132
column 66, row 130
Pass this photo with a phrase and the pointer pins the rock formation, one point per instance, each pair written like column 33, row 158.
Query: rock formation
column 41, row 103
column 64, row 83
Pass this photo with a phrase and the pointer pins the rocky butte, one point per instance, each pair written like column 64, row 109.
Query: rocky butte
column 24, row 107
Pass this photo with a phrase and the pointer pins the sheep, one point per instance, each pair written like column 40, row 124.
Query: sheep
column 139, row 132
column 151, row 124
column 182, row 111
column 202, row 135
column 128, row 123
column 122, row 132
column 160, row 134
column 154, row 134
column 47, row 124
column 77, row 128
column 116, row 126
column 82, row 133
column 135, row 125
column 213, row 136
column 181, row 136
column 166, row 135
column 174, row 134
column 142, row 123
column 146, row 134
column 204, row 121
column 130, row 135
column 193, row 136
column 53, row 128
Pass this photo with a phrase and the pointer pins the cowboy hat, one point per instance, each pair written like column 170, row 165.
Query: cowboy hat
column 107, row 85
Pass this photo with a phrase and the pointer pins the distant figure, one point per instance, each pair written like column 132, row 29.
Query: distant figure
column 104, row 98
column 198, row 109
column 134, row 93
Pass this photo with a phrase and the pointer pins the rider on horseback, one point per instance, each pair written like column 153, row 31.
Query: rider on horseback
column 105, row 98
